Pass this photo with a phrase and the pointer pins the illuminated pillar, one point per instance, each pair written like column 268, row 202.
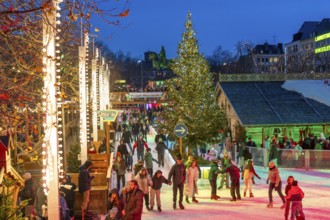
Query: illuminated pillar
column 94, row 97
column 101, row 79
column 83, row 101
column 49, row 106
column 107, row 86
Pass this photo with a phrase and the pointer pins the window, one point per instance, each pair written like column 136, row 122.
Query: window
column 271, row 59
column 258, row 60
column 275, row 59
column 267, row 60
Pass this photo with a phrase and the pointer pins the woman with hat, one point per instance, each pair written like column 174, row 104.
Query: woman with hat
column 274, row 181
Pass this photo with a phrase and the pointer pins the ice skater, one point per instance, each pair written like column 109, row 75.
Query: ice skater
column 274, row 181
column 247, row 175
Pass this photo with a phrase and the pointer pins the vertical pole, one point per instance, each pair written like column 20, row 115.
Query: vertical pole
column 107, row 130
column 94, row 99
column 181, row 146
column 50, row 140
column 64, row 136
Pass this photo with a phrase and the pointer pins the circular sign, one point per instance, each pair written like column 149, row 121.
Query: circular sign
column 180, row 130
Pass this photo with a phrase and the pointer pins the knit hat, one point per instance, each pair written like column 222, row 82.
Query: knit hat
column 271, row 164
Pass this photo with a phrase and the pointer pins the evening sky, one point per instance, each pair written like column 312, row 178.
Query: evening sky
column 155, row 23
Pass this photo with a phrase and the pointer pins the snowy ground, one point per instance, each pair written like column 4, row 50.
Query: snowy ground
column 315, row 184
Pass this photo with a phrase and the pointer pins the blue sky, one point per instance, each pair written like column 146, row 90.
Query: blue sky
column 155, row 23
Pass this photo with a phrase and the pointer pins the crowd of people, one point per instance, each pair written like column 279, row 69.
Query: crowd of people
column 128, row 196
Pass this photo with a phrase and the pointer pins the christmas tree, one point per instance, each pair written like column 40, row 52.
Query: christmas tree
column 193, row 94
column 73, row 162
column 8, row 210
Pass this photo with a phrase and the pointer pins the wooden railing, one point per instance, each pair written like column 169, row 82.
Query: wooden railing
column 272, row 77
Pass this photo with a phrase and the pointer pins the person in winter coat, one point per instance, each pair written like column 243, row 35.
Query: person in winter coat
column 115, row 202
column 213, row 173
column 148, row 159
column 134, row 202
column 189, row 162
column 234, row 178
column 144, row 130
column 247, row 175
column 275, row 182
column 122, row 149
column 159, row 136
column 191, row 182
column 178, row 172
column 85, row 184
column 160, row 148
column 273, row 153
column 144, row 181
column 225, row 161
column 137, row 167
column 140, row 145
column 118, row 130
column 68, row 188
column 127, row 139
column 28, row 193
column 40, row 201
column 288, row 201
column 240, row 155
column 296, row 195
column 120, row 168
column 135, row 130
column 157, row 181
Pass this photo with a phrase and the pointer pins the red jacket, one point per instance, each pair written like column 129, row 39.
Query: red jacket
column 295, row 194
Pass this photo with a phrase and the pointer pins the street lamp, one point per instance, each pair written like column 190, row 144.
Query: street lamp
column 141, row 62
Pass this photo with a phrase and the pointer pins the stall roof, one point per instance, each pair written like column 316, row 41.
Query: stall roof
column 268, row 103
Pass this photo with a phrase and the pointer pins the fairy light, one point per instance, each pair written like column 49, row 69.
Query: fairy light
column 87, row 90
column 97, row 84
column 83, row 102
column 50, row 145
column 94, row 98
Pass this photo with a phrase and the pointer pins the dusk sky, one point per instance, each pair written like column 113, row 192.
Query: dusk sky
column 154, row 23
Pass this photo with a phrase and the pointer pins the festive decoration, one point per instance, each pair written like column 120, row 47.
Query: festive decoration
column 51, row 159
column 83, row 100
column 192, row 92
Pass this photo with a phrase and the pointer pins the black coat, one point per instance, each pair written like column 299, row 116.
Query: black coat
column 158, row 182
column 127, row 137
column 178, row 172
column 84, row 179
column 122, row 149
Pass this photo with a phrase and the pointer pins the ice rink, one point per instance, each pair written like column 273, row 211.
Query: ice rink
column 314, row 183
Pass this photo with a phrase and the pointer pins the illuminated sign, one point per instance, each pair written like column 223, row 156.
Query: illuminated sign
column 136, row 95
column 322, row 49
column 322, row 37
column 108, row 115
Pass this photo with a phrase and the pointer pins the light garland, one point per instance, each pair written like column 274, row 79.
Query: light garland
column 83, row 101
column 87, row 91
column 50, row 98
column 94, row 98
